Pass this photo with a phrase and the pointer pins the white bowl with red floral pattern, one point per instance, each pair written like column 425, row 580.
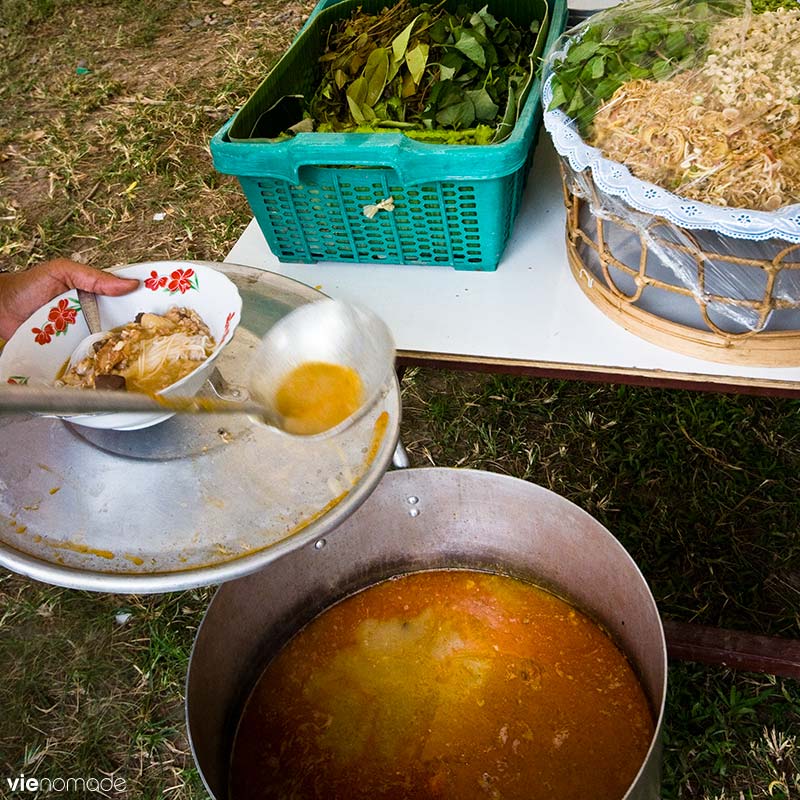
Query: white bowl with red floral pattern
column 39, row 348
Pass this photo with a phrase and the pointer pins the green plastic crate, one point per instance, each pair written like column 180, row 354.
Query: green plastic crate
column 453, row 204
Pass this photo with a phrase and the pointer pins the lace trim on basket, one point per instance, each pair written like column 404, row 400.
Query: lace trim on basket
column 616, row 180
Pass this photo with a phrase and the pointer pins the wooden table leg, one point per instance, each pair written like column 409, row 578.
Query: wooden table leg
column 742, row 651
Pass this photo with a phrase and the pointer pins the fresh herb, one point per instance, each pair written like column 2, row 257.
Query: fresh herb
column 760, row 6
column 426, row 72
column 641, row 44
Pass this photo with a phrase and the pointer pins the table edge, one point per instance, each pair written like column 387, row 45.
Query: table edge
column 604, row 374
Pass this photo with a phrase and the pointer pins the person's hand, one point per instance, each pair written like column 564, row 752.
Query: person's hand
column 21, row 293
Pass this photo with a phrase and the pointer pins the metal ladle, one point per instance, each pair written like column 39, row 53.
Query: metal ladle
column 329, row 331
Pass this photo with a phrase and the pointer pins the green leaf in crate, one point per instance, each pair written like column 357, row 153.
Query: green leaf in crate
column 409, row 87
column 468, row 44
column 417, row 60
column 488, row 20
column 453, row 59
column 489, row 52
column 509, row 116
column 439, row 31
column 394, row 68
column 485, row 108
column 400, row 42
column 451, row 107
column 375, row 71
column 356, row 99
column 446, row 93
column 355, row 111
column 457, row 115
column 357, row 90
column 477, row 24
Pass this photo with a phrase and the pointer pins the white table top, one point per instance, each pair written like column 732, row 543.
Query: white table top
column 530, row 315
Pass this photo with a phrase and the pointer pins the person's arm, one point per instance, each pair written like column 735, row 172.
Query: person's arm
column 21, row 293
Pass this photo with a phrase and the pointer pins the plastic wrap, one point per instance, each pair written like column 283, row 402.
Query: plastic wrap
column 678, row 124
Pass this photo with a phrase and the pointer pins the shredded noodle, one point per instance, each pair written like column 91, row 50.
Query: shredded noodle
column 148, row 355
column 155, row 353
column 727, row 132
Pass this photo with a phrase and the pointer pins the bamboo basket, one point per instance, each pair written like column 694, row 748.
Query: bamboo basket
column 699, row 293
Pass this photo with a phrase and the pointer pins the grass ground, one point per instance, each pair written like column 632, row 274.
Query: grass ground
column 106, row 109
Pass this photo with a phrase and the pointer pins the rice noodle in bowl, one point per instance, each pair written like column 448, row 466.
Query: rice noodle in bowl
column 146, row 355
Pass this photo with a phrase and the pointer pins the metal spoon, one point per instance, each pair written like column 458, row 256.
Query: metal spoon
column 47, row 400
column 91, row 313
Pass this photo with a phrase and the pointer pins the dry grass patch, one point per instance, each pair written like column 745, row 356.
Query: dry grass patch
column 100, row 152
column 93, row 685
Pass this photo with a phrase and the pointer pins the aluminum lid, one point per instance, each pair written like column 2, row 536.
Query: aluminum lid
column 193, row 501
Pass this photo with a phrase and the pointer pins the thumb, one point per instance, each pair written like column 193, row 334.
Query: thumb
column 81, row 276
column 106, row 283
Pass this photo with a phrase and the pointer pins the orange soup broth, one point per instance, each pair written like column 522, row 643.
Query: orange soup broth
column 444, row 684
column 316, row 396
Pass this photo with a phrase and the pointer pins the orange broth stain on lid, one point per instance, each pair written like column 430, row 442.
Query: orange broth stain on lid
column 378, row 433
column 81, row 548
column 381, row 424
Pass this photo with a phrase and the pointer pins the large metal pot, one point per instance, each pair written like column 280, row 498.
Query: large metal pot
column 420, row 519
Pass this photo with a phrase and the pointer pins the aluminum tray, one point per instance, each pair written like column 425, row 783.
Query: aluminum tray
column 192, row 501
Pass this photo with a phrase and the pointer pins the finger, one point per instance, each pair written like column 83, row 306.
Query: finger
column 106, row 283
column 80, row 276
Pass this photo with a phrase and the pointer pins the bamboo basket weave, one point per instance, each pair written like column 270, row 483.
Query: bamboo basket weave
column 734, row 301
